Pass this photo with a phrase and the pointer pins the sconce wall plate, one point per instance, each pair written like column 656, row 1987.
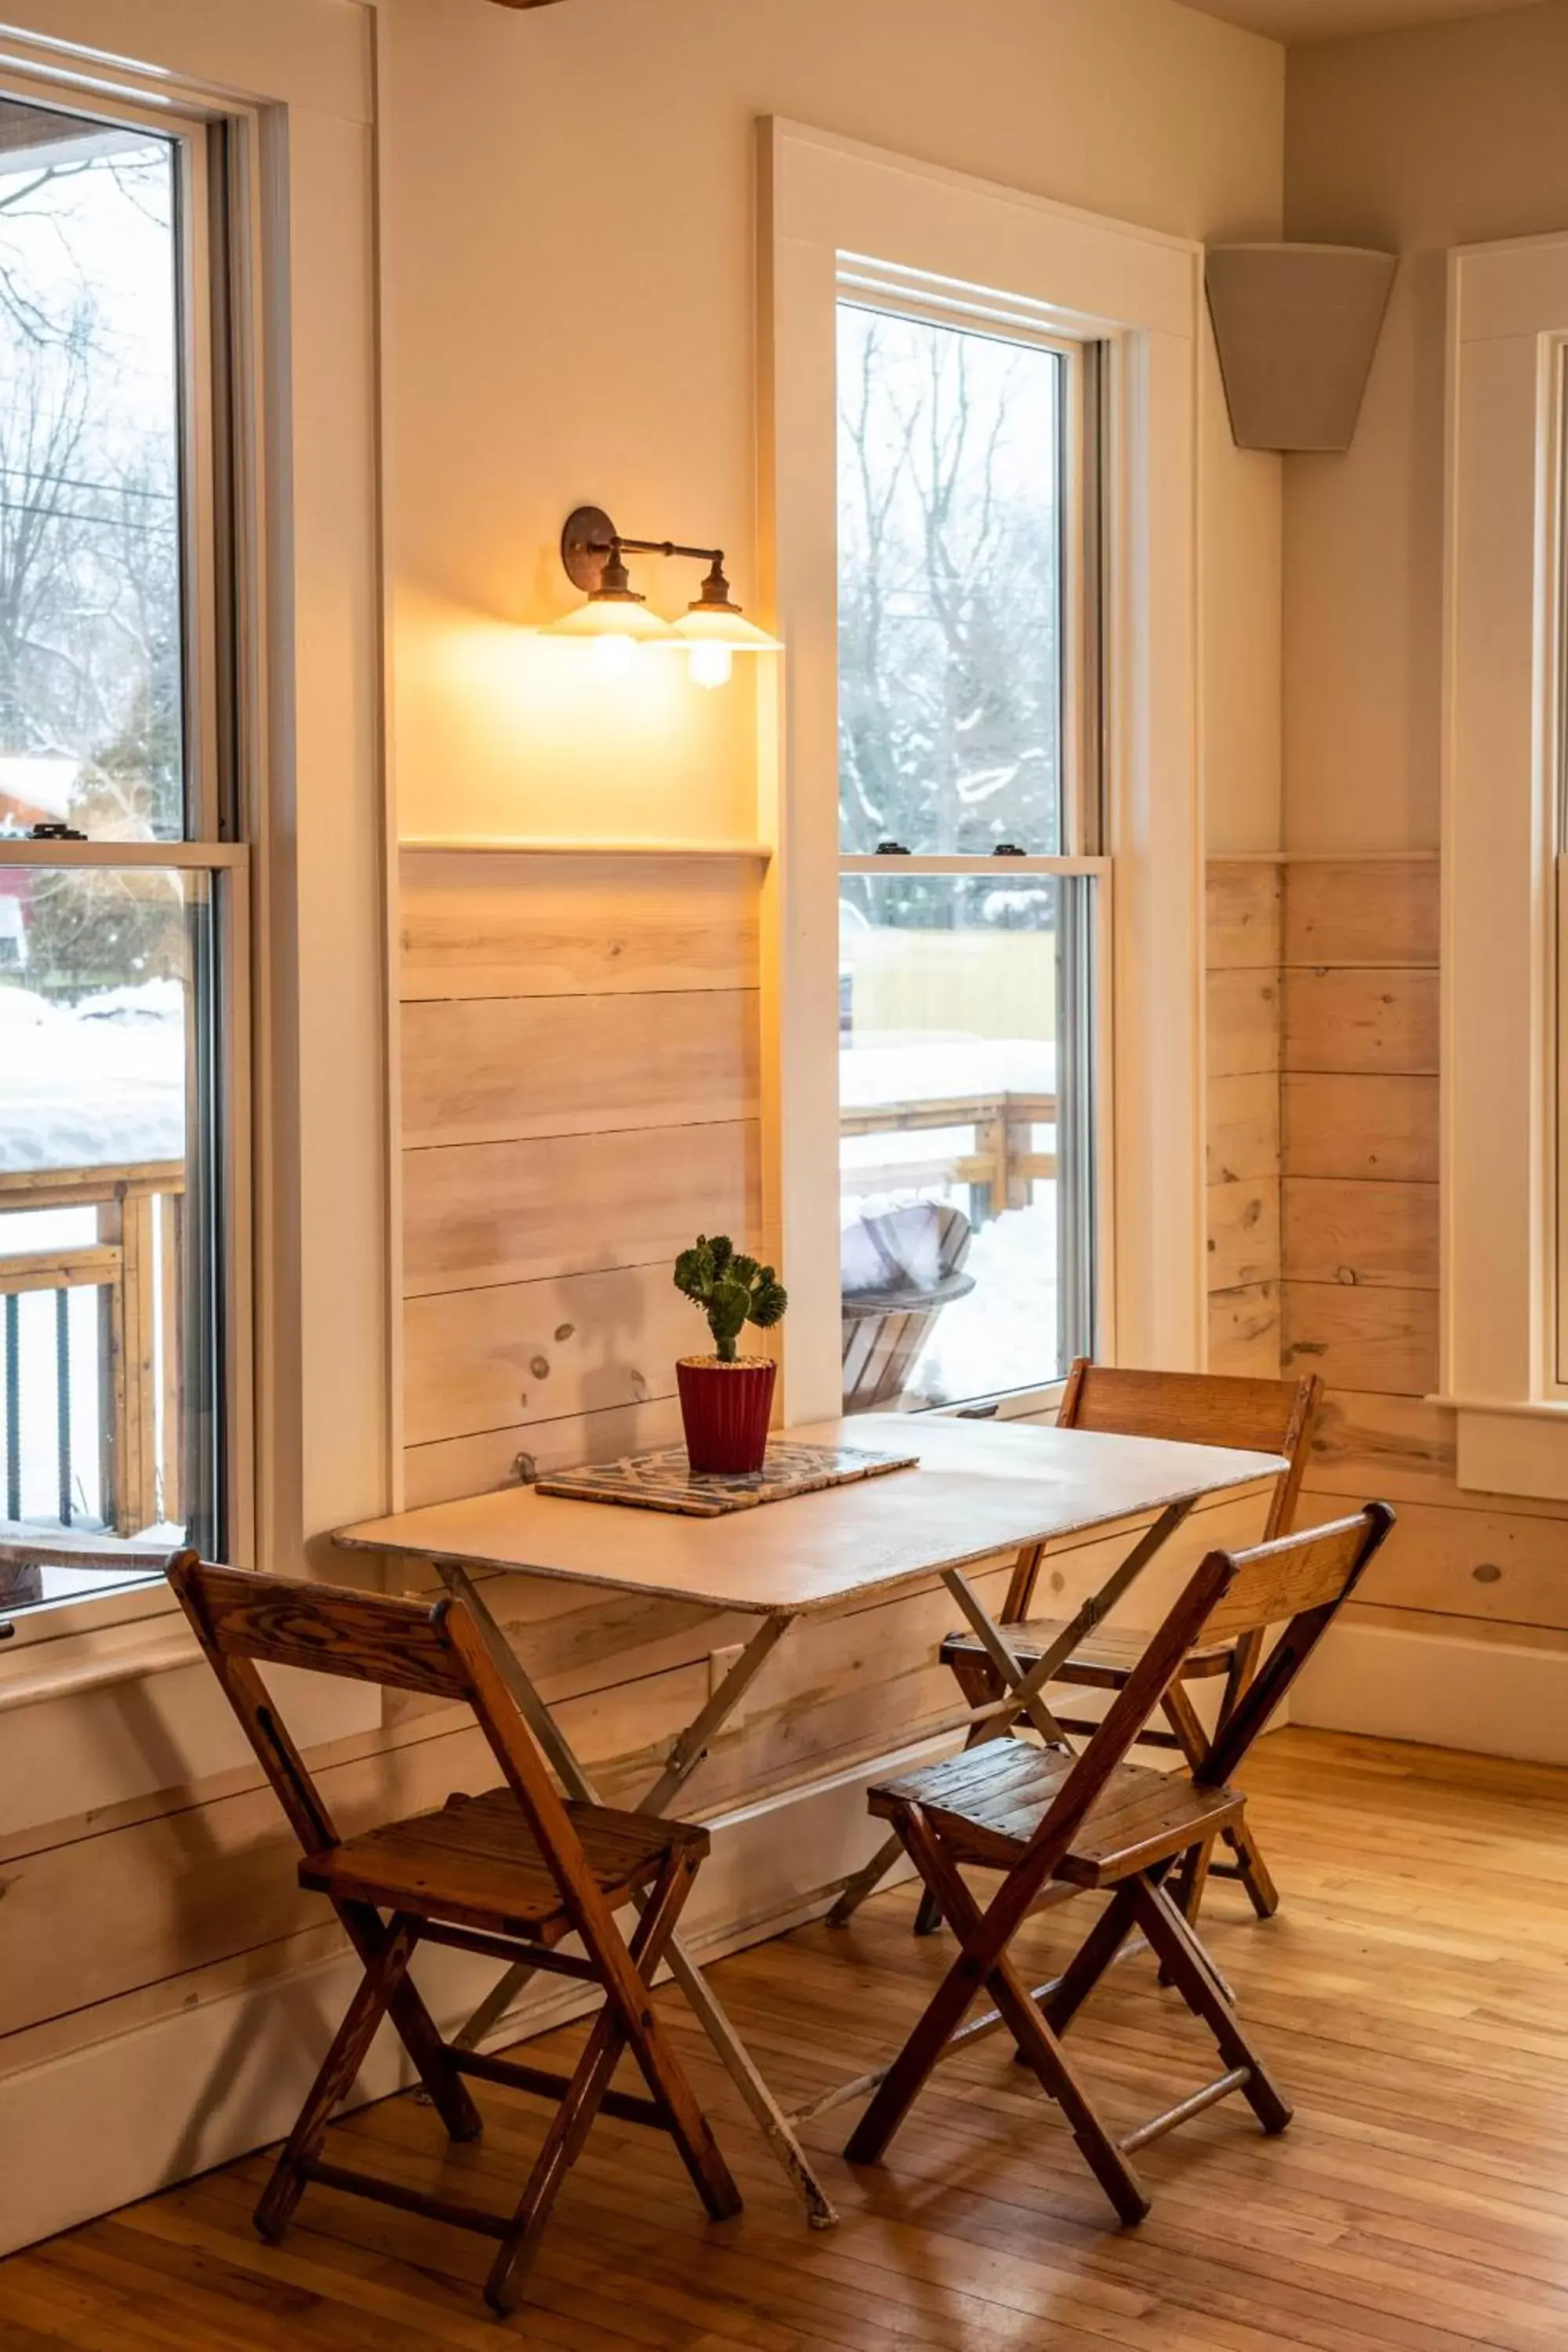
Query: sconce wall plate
column 587, row 536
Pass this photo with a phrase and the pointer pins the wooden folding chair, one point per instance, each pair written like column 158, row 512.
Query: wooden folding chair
column 508, row 1875
column 1051, row 1821
column 1258, row 1416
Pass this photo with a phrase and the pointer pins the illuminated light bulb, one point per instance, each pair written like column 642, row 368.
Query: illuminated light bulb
column 712, row 665
column 614, row 658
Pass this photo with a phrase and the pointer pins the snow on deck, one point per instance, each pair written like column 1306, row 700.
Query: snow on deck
column 98, row 1083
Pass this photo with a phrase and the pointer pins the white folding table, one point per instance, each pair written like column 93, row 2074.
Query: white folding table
column 981, row 1489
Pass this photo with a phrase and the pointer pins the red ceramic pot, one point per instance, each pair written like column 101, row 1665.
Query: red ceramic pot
column 726, row 1409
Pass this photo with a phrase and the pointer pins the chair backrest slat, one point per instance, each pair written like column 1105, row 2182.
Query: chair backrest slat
column 242, row 1618
column 1309, row 1577
column 326, row 1630
column 1195, row 1408
column 1283, row 1578
column 1255, row 1416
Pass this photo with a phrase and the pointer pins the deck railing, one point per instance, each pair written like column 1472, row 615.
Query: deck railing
column 133, row 1261
column 998, row 1165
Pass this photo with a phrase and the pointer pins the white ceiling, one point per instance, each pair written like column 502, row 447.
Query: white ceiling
column 1330, row 20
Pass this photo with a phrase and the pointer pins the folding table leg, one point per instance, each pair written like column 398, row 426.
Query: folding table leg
column 777, row 2126
column 1025, row 1690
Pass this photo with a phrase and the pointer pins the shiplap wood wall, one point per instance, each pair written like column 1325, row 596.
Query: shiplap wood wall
column 1323, row 1246
column 579, row 1075
column 1243, row 933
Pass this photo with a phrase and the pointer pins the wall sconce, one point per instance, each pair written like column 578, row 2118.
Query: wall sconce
column 616, row 619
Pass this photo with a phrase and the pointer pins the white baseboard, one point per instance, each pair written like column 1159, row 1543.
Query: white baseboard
column 1494, row 1698
column 133, row 2113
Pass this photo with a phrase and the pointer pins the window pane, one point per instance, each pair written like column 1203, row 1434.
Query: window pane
column 108, row 1230
column 91, row 693
column 964, row 1153
column 949, row 633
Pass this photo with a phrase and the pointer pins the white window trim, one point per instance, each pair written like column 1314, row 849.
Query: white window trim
column 1500, row 1323
column 1085, row 278
column 301, row 86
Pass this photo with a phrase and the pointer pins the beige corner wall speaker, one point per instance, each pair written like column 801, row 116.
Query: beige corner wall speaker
column 1296, row 326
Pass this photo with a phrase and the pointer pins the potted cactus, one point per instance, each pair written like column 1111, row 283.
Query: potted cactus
column 726, row 1399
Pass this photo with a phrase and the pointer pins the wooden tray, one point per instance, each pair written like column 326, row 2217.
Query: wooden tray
column 664, row 1481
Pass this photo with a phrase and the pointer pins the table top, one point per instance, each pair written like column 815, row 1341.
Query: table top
column 981, row 1487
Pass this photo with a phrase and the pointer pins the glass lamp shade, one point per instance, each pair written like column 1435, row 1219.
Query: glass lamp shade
column 624, row 617
column 723, row 625
column 713, row 633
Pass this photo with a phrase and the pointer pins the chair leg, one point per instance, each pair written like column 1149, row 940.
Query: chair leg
column 928, row 1919
column 612, row 2031
column 563, row 2145
column 619, row 2025
column 1172, row 1940
column 1253, row 1871
column 980, row 1685
column 1034, row 2037
column 416, row 2029
column 661, row 2070
column 1251, row 1868
column 336, row 2076
column 1089, row 1962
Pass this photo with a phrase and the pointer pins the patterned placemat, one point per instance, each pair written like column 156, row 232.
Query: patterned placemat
column 665, row 1482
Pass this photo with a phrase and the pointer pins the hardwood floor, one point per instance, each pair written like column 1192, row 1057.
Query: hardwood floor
column 1412, row 1996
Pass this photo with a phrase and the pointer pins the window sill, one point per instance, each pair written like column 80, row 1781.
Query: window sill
column 74, row 1658
column 1503, row 1448
column 98, row 1604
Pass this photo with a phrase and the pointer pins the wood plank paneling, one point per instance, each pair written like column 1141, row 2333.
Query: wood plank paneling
column 513, row 1353
column 1353, row 1017
column 487, row 924
column 573, row 1205
column 1244, row 1330
column 1384, row 1128
column 1243, row 914
column 1371, row 1339
column 498, row 1069
column 1362, row 910
column 1243, row 1023
column 1243, row 1128
column 1337, row 1230
column 1402, row 1448
column 1504, row 1565
column 1243, row 905
column 1243, row 1234
column 451, row 1467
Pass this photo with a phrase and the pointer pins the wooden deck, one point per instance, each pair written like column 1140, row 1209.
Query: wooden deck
column 1413, row 1995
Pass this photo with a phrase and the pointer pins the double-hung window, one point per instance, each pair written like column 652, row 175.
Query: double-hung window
column 122, row 874
column 968, row 823
column 981, row 421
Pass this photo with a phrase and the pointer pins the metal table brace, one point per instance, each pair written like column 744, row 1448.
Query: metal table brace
column 1023, row 1698
column 1024, row 1689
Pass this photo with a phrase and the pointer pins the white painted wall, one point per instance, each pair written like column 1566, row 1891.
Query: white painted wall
column 1447, row 134
column 572, row 262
